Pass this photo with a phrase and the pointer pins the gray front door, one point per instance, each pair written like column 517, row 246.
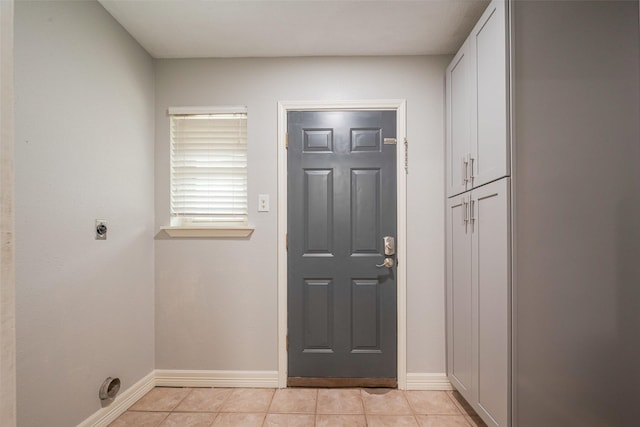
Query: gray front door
column 341, row 203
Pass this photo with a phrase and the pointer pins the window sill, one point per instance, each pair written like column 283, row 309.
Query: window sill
column 191, row 231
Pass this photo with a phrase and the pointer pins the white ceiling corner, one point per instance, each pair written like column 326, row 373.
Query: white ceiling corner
column 272, row 28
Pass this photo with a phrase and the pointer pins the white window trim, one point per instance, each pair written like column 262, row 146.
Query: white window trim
column 206, row 110
column 209, row 230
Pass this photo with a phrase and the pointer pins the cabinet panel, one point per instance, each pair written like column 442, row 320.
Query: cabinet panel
column 458, row 131
column 490, row 264
column 489, row 151
column 459, row 313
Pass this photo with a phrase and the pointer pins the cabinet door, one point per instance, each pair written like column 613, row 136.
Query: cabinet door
column 458, row 117
column 489, row 150
column 459, row 321
column 491, row 278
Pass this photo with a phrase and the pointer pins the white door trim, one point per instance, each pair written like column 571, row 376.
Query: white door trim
column 400, row 106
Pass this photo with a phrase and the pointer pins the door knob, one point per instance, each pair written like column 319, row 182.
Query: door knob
column 388, row 263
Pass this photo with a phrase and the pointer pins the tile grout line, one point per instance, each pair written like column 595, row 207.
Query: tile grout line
column 413, row 410
column 467, row 417
column 315, row 415
column 273, row 396
column 364, row 411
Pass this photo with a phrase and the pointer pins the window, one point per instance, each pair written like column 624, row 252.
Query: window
column 209, row 167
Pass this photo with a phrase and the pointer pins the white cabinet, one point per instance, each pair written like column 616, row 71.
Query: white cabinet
column 478, row 260
column 478, row 219
column 476, row 97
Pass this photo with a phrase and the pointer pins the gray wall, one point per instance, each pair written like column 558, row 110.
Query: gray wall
column 84, row 150
column 7, row 234
column 577, row 192
column 216, row 301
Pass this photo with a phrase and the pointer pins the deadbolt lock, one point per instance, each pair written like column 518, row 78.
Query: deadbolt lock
column 389, row 245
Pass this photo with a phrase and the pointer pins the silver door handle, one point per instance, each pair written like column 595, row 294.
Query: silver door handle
column 388, row 263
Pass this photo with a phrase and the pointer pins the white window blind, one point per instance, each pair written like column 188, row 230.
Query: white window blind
column 209, row 169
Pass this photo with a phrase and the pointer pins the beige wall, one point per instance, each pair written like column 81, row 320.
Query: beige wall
column 216, row 299
column 84, row 150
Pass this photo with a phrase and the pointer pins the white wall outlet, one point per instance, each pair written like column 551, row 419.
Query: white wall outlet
column 263, row 203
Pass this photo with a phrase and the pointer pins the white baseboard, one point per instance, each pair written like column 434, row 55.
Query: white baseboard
column 251, row 379
column 103, row 417
column 421, row 381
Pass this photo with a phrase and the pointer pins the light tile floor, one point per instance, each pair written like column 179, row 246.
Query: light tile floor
column 298, row 407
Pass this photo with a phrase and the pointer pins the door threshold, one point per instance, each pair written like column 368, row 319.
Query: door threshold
column 341, row 382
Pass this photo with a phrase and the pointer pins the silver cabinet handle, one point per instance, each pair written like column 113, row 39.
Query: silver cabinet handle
column 472, row 215
column 388, row 263
column 465, row 170
column 471, row 162
column 465, row 220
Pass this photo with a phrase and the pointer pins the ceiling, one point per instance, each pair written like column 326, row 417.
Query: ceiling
column 272, row 28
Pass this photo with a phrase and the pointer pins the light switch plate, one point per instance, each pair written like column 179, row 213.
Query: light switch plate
column 263, row 203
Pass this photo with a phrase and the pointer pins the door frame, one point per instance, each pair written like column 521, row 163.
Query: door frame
column 400, row 107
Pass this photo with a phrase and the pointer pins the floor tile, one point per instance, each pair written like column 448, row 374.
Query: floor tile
column 204, row 400
column 391, row 421
column 339, row 401
column 289, row 420
column 248, row 400
column 189, row 419
column 297, row 407
column 327, row 420
column 161, row 399
column 238, row 419
column 442, row 421
column 432, row 403
column 460, row 402
column 139, row 419
column 387, row 402
column 294, row 401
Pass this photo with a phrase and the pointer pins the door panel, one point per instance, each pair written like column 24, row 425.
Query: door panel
column 365, row 316
column 318, row 319
column 459, row 306
column 489, row 128
column 341, row 203
column 458, row 133
column 491, row 300
column 318, row 212
column 365, row 211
